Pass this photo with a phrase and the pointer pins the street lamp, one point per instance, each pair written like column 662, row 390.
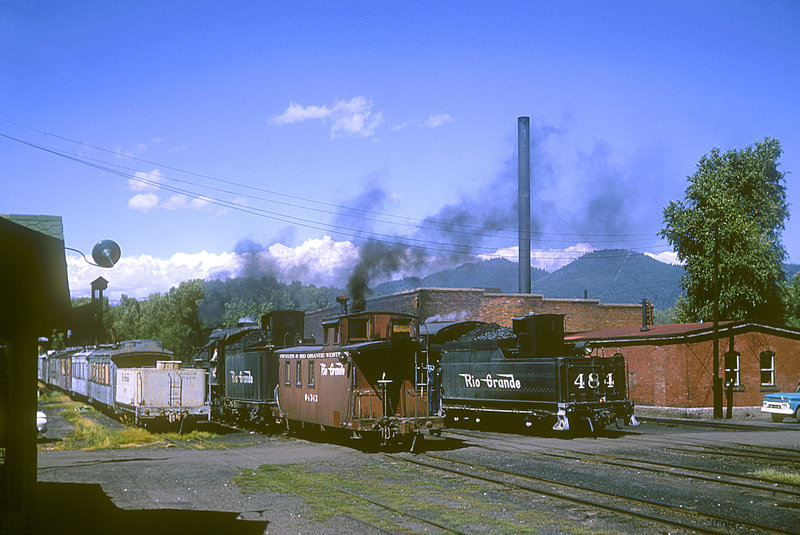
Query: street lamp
column 105, row 253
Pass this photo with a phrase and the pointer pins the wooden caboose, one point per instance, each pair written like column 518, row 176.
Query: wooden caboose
column 363, row 378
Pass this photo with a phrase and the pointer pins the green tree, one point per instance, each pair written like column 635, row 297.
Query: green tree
column 792, row 300
column 729, row 225
column 171, row 318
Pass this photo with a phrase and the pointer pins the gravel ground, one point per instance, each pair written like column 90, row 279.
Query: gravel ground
column 175, row 489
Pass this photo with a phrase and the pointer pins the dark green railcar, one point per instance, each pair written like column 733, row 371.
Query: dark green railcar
column 533, row 376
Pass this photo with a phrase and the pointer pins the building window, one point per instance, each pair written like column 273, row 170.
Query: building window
column 311, row 373
column 298, row 376
column 767, row 368
column 732, row 369
column 287, row 372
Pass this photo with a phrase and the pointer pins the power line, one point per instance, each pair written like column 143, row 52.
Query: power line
column 136, row 175
column 427, row 223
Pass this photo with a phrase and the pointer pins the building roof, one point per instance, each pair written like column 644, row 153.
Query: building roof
column 34, row 292
column 49, row 225
column 678, row 332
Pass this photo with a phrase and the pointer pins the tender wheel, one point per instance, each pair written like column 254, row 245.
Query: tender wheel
column 778, row 417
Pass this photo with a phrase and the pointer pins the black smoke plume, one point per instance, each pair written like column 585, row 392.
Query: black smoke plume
column 379, row 259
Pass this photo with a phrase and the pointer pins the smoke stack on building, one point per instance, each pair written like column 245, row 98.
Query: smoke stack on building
column 524, row 202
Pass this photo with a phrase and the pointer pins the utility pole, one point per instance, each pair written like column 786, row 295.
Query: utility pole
column 717, row 387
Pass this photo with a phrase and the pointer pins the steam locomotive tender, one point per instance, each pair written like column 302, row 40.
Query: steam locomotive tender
column 243, row 369
column 362, row 379
column 531, row 377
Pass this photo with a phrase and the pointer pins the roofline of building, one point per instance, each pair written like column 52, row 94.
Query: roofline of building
column 705, row 332
column 491, row 294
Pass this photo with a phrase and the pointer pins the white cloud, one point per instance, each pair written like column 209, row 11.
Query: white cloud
column 349, row 117
column 669, row 257
column 149, row 183
column 145, row 181
column 547, row 259
column 323, row 262
column 438, row 120
column 143, row 202
column 140, row 276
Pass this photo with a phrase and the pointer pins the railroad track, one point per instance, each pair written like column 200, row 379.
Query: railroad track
column 653, row 511
column 739, row 425
column 772, row 455
column 688, row 472
column 427, row 523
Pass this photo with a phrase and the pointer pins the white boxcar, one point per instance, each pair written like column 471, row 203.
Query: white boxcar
column 166, row 393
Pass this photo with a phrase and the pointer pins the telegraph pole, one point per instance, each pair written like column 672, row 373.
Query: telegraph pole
column 717, row 387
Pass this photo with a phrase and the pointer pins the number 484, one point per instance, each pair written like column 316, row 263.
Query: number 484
column 592, row 380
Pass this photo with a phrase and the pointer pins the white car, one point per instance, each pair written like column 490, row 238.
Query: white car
column 41, row 422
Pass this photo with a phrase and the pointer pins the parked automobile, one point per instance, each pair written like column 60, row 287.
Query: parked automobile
column 782, row 404
column 41, row 422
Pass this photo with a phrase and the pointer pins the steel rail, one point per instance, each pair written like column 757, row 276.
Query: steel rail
column 593, row 503
column 402, row 513
column 652, row 466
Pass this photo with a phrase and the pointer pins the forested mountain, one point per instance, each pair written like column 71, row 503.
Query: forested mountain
column 496, row 273
column 612, row 276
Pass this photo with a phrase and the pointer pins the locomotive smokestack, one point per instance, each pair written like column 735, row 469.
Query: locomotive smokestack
column 524, row 202
column 342, row 300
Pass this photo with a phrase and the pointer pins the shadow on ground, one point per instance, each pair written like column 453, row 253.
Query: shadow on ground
column 67, row 508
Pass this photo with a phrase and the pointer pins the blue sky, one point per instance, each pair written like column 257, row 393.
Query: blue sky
column 190, row 131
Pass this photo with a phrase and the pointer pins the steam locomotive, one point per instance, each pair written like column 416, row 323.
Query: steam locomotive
column 382, row 376
column 377, row 376
column 531, row 376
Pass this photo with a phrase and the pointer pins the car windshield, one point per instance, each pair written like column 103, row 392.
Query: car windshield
column 798, row 387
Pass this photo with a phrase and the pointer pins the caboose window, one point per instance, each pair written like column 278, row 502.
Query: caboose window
column 732, row 369
column 311, row 373
column 299, row 375
column 767, row 368
column 401, row 327
column 358, row 329
column 287, row 372
column 331, row 335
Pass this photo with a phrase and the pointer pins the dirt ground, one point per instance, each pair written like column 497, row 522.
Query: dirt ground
column 254, row 483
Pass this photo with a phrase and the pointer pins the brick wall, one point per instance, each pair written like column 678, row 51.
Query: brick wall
column 679, row 374
column 448, row 304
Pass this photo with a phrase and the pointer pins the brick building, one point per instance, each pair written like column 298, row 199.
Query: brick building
column 452, row 304
column 671, row 366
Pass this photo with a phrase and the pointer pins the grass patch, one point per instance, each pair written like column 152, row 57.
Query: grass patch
column 90, row 434
column 771, row 474
column 450, row 500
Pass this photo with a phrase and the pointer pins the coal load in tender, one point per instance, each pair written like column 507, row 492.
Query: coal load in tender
column 487, row 333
